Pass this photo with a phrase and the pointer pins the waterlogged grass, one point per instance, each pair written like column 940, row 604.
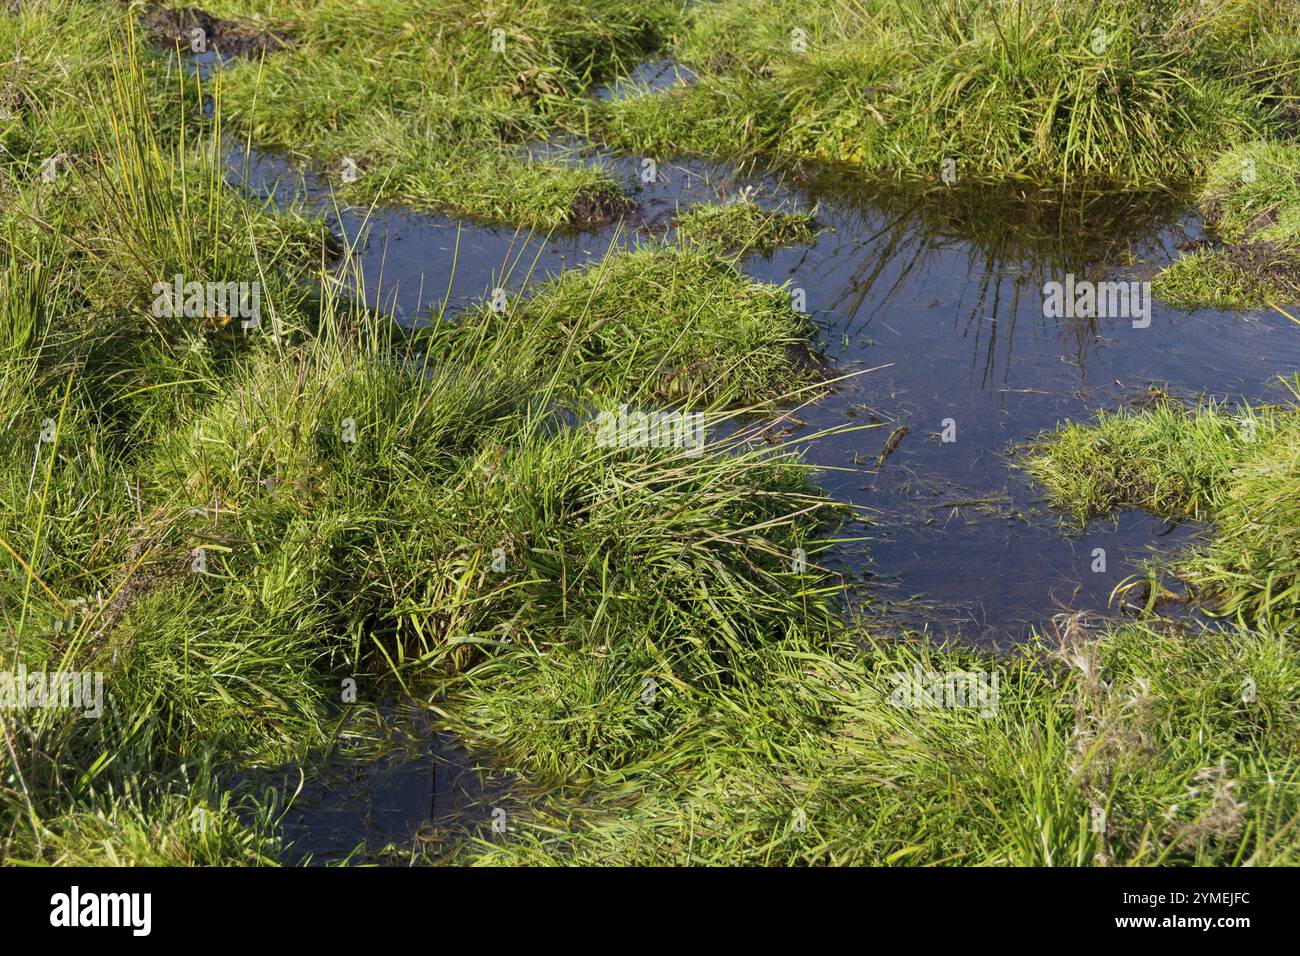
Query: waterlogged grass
column 1251, row 201
column 237, row 525
column 1249, row 276
column 242, row 528
column 1238, row 468
column 660, row 324
column 745, row 227
column 438, row 102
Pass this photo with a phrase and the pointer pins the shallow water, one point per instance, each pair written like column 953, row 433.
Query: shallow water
column 394, row 782
column 941, row 294
column 950, row 316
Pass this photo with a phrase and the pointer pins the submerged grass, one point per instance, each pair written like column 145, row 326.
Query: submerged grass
column 743, row 226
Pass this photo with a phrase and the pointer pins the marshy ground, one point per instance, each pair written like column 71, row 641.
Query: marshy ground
column 366, row 581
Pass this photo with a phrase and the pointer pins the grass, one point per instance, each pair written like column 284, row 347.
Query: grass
column 661, row 323
column 804, row 759
column 231, row 524
column 745, row 227
column 1239, row 469
column 238, row 526
column 1251, row 200
column 1131, row 95
column 434, row 108
column 438, row 110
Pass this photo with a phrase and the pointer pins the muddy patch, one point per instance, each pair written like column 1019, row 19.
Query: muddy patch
column 1269, row 261
column 1268, row 267
column 598, row 207
column 196, row 31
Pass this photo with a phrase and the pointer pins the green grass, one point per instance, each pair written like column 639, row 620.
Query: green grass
column 1251, row 201
column 1239, row 469
column 438, row 111
column 233, row 525
column 802, row 758
column 1018, row 91
column 745, row 227
column 431, row 108
column 662, row 323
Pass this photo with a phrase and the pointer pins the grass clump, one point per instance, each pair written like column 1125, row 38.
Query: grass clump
column 232, row 523
column 660, row 324
column 1133, row 95
column 1251, row 200
column 1247, row 276
column 438, row 101
column 743, row 227
column 1240, row 470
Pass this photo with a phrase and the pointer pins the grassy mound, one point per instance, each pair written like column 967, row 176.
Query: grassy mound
column 661, row 324
column 1251, row 200
column 1135, row 95
column 1241, row 470
column 437, row 102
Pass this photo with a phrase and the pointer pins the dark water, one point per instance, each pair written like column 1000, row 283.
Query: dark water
column 394, row 790
column 941, row 294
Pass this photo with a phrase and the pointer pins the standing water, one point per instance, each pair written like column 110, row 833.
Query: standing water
column 941, row 295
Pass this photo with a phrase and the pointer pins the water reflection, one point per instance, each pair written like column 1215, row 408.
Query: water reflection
column 945, row 288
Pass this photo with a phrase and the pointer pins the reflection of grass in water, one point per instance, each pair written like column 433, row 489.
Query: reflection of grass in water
column 1015, row 240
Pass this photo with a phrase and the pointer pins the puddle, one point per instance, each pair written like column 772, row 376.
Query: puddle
column 392, row 783
column 944, row 291
column 952, row 303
